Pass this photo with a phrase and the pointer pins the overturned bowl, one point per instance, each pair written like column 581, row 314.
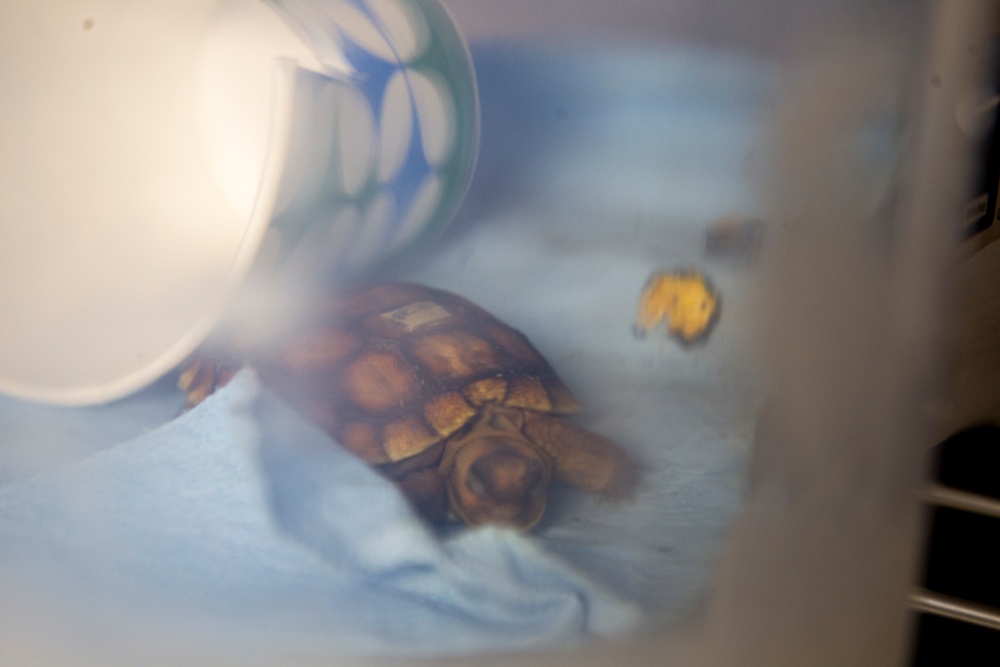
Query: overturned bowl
column 154, row 153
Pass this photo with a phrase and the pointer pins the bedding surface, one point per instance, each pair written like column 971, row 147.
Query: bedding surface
column 240, row 520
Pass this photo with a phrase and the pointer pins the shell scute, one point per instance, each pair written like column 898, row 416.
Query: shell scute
column 456, row 354
column 448, row 412
column 317, row 350
column 379, row 382
column 528, row 392
column 407, row 437
column 362, row 439
column 487, row 390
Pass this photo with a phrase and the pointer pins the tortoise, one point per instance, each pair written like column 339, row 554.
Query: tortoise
column 456, row 407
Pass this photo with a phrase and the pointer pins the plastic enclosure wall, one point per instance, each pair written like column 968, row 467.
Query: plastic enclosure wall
column 819, row 567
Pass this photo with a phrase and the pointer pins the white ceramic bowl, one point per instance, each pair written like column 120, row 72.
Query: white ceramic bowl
column 150, row 149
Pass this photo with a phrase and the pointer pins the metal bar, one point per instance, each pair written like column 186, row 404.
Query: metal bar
column 955, row 608
column 963, row 500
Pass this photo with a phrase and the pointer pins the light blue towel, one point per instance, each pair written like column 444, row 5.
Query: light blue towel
column 242, row 515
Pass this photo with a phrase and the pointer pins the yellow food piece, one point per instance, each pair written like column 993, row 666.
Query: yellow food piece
column 685, row 299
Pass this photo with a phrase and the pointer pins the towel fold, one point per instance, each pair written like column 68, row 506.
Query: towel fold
column 243, row 516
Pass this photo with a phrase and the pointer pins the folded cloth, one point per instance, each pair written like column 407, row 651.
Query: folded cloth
column 241, row 518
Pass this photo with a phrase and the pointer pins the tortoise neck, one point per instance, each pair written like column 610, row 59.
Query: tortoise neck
column 499, row 418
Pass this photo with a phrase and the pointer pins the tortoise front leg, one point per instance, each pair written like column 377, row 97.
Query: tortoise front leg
column 583, row 459
column 200, row 376
column 426, row 492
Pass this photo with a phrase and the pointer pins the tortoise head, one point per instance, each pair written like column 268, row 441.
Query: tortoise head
column 499, row 479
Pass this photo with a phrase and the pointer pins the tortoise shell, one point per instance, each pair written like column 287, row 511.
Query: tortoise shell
column 392, row 370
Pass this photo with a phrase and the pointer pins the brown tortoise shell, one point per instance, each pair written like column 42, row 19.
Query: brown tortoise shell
column 392, row 370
